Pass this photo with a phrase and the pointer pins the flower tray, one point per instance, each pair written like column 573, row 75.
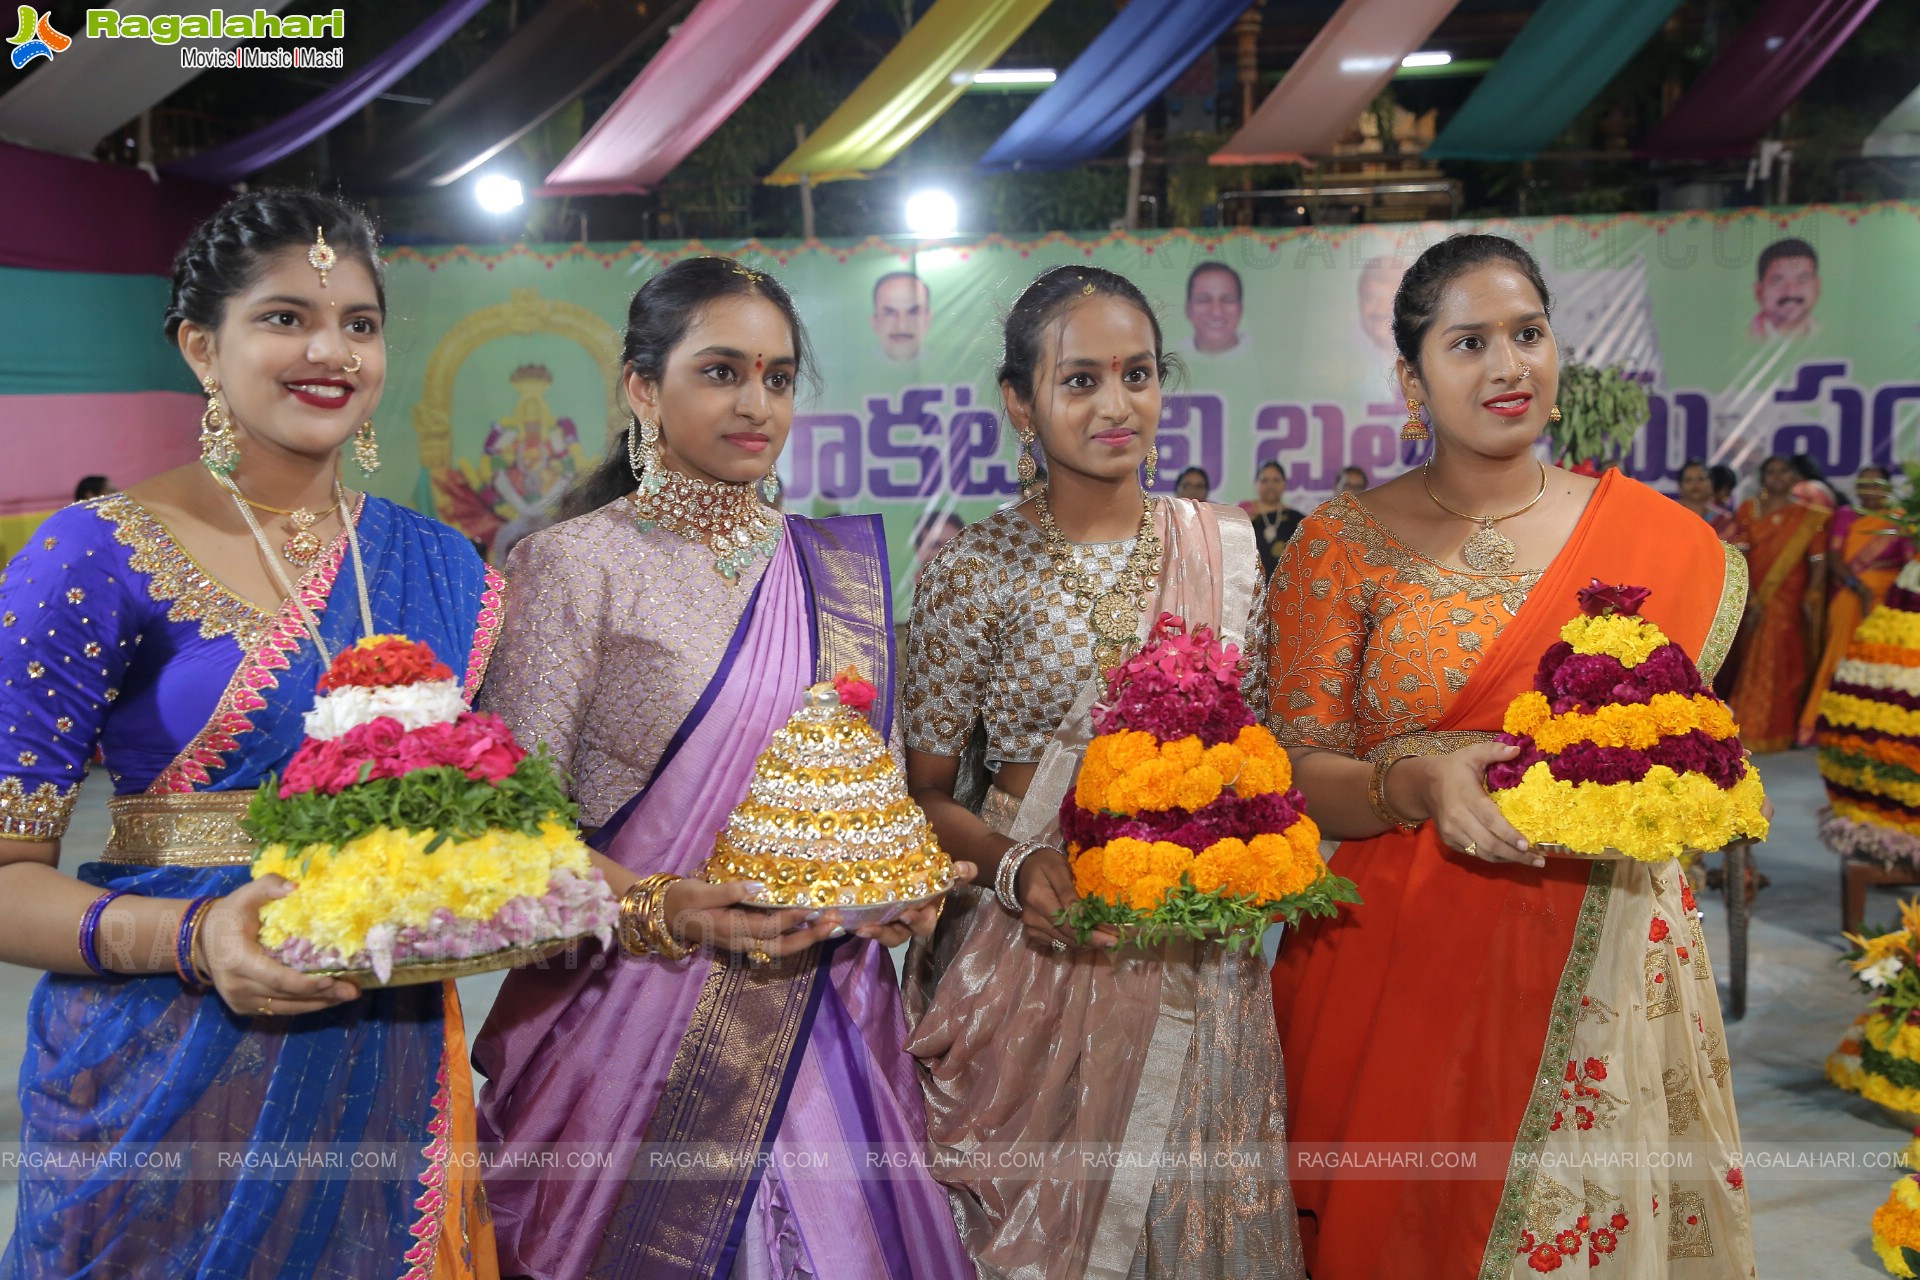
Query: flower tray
column 407, row 973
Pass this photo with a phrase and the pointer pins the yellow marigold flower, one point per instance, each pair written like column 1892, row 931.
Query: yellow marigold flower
column 1527, row 713
column 1846, row 709
column 1257, row 778
column 1126, row 860
column 1716, row 718
column 1654, row 819
column 1168, row 860
column 1631, row 640
column 1183, row 754
column 1198, row 788
column 1258, row 742
column 1089, row 873
column 1210, row 871
column 1895, row 628
column 1130, row 747
column 1674, row 713
column 1226, row 760
column 1284, row 882
column 1304, row 835
column 1145, row 893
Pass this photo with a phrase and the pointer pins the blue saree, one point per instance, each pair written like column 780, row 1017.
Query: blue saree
column 214, row 1144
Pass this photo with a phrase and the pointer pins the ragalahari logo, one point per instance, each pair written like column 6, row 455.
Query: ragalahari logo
column 37, row 38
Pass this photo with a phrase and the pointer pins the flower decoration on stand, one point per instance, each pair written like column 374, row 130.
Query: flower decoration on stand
column 1623, row 748
column 1896, row 1229
column 1184, row 822
column 1869, row 735
column 1880, row 1057
column 423, row 839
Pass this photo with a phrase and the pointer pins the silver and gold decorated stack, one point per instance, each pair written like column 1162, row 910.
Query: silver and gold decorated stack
column 827, row 822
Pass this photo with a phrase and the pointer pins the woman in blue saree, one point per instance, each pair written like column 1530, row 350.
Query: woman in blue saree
column 742, row 1070
column 190, row 1106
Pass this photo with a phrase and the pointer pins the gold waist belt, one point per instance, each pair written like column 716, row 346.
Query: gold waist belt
column 188, row 830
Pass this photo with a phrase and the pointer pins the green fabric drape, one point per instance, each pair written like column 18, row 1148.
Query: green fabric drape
column 1562, row 59
column 910, row 89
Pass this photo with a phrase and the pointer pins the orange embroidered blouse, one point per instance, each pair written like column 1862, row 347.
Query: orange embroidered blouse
column 1367, row 640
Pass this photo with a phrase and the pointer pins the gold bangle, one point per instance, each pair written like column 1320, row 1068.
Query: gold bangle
column 1377, row 796
column 643, row 919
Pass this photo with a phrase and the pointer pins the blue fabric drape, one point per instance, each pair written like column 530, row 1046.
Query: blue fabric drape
column 236, row 159
column 1562, row 58
column 1127, row 66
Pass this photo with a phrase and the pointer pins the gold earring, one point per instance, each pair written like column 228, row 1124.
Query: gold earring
column 1554, row 413
column 366, row 449
column 1153, row 464
column 219, row 447
column 1028, row 471
column 1416, row 427
column 643, row 455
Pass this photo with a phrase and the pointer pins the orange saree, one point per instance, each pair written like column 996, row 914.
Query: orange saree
column 1459, row 1000
column 1864, row 548
column 1772, row 685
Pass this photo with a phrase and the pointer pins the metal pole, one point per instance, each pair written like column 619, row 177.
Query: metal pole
column 806, row 187
column 1136, row 160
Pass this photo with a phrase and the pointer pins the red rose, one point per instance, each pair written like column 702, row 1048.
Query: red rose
column 1599, row 601
column 1736, row 1178
column 302, row 775
column 1596, row 1069
column 1658, row 931
column 854, row 692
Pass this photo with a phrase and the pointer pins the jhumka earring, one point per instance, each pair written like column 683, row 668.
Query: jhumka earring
column 219, row 447
column 1554, row 413
column 643, row 455
column 1028, row 470
column 321, row 256
column 366, row 449
column 1416, row 426
column 1153, row 464
column 770, row 488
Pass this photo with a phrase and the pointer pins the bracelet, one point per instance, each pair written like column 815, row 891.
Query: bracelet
column 1377, row 796
column 184, row 941
column 643, row 919
column 90, row 930
column 1005, row 879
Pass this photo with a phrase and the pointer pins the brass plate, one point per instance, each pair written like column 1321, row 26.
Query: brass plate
column 412, row 973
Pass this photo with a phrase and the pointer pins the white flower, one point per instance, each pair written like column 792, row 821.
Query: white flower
column 414, row 705
column 1881, row 973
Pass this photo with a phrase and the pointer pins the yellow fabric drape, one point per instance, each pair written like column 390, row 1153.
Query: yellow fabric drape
column 910, row 89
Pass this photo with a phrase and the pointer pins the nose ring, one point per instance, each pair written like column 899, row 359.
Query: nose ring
column 355, row 366
column 1526, row 371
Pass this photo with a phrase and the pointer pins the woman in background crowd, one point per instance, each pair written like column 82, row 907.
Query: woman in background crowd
column 1696, row 495
column 1273, row 521
column 1352, row 480
column 1194, row 484
column 1865, row 551
column 1786, row 541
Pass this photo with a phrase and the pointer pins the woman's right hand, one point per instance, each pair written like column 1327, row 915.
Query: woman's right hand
column 702, row 914
column 1452, row 791
column 251, row 981
column 1045, row 888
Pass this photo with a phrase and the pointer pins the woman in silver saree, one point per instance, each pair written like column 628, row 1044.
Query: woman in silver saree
column 1103, row 1110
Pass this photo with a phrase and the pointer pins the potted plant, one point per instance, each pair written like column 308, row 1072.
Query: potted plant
column 1601, row 409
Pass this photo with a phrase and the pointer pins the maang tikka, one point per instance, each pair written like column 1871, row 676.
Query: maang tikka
column 321, row 256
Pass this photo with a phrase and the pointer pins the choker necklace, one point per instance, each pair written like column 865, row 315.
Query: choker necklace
column 1114, row 612
column 730, row 518
column 304, row 547
column 1487, row 550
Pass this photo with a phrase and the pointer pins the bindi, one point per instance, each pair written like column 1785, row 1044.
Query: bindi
column 759, row 363
column 1116, row 364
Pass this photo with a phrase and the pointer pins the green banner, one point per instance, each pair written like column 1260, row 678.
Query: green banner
column 1789, row 331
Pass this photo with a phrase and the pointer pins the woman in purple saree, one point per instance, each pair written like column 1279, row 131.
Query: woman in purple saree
column 753, row 1099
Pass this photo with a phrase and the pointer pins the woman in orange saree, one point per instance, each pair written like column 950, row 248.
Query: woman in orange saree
column 1786, row 543
column 1866, row 552
column 1553, row 1020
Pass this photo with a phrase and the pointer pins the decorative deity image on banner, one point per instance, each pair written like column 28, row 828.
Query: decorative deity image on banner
column 498, row 484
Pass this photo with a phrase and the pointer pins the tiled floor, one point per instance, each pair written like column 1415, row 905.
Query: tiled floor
column 1811, row 1220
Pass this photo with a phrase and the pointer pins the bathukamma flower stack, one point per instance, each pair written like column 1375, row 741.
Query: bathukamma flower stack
column 1869, row 734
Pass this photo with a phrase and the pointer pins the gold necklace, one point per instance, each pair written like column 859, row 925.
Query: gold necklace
column 304, row 547
column 730, row 518
column 1113, row 612
column 1487, row 550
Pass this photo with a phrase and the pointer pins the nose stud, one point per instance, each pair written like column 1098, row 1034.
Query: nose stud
column 355, row 366
column 1526, row 371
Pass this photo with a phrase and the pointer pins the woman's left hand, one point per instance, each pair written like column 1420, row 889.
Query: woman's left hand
column 918, row 922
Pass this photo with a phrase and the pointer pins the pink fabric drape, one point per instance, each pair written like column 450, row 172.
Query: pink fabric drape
column 1759, row 72
column 1342, row 71
column 714, row 61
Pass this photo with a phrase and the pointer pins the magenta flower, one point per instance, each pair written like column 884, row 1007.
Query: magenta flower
column 1179, row 684
column 1722, row 760
column 1585, row 762
column 1507, row 774
column 1600, row 601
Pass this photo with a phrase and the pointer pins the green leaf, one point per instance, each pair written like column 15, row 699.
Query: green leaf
column 1232, row 919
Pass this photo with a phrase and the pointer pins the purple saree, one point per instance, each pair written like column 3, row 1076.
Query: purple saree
column 746, row 1110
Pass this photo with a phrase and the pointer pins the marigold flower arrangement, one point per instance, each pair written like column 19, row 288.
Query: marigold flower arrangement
column 1880, row 1057
column 1896, row 1228
column 1869, row 734
column 418, row 832
column 1623, row 748
column 1183, row 822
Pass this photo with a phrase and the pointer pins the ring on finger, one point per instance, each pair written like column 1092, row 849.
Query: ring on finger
column 1471, row 849
column 1056, row 944
column 757, row 956
column 266, row 1010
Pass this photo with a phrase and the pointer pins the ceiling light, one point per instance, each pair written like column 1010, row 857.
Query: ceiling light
column 1366, row 66
column 1437, row 58
column 1005, row 76
column 497, row 193
column 932, row 214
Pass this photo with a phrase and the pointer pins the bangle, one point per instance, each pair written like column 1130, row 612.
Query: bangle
column 1005, row 879
column 183, row 942
column 643, row 919
column 1377, row 796
column 90, row 931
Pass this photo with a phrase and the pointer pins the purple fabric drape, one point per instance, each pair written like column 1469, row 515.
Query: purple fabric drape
column 66, row 214
column 236, row 159
column 1759, row 72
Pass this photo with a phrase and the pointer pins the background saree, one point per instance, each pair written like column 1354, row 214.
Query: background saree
column 191, row 695
column 1056, row 1082
column 1867, row 547
column 1771, row 688
column 1469, row 1003
column 745, row 1109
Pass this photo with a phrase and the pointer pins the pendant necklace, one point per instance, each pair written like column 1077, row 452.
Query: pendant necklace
column 1113, row 612
column 304, row 547
column 1486, row 550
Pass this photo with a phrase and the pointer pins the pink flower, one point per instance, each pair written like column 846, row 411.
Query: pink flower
column 1585, row 762
column 854, row 692
column 1598, row 601
column 1179, row 684
column 478, row 744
